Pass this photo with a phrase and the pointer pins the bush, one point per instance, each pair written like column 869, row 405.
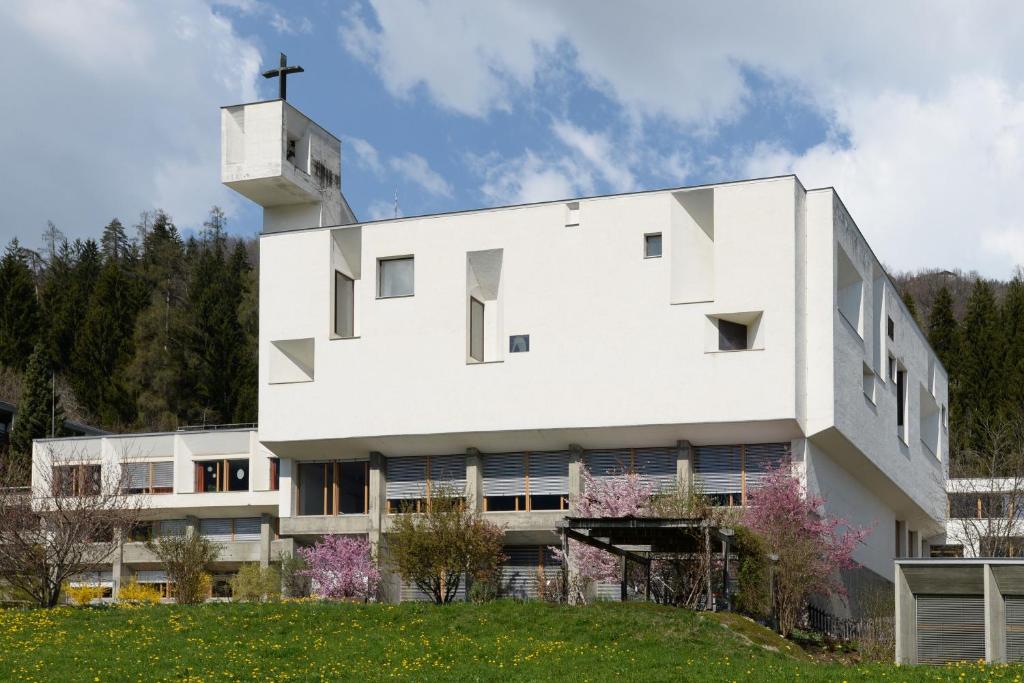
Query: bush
column 185, row 559
column 342, row 567
column 138, row 593
column 483, row 590
column 753, row 594
column 254, row 583
column 83, row 595
column 294, row 582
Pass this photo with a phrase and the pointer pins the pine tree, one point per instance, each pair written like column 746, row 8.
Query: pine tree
column 908, row 301
column 944, row 336
column 114, row 242
column 981, row 379
column 39, row 411
column 1013, row 361
column 19, row 309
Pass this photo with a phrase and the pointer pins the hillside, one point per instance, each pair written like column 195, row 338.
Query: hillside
column 415, row 642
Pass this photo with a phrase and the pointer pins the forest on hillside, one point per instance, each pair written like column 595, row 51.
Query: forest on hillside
column 138, row 331
column 144, row 330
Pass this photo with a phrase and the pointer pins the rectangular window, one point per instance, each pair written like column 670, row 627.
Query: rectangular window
column 652, row 245
column 344, row 305
column 891, row 374
column 77, row 480
column 520, row 482
column 731, row 336
column 149, row 477
column 275, row 474
column 476, row 330
column 890, row 328
column 901, row 404
column 413, row 480
column 395, row 277
column 519, row 343
column 330, row 488
column 218, row 476
column 869, row 383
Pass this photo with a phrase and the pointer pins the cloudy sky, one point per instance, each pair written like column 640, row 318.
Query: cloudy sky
column 914, row 111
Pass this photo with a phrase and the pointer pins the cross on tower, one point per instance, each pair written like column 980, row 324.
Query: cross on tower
column 282, row 73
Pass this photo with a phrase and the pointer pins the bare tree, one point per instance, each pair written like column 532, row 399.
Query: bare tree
column 70, row 519
column 986, row 491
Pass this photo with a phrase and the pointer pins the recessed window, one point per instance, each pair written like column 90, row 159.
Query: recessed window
column 476, row 329
column 275, row 474
column 395, row 277
column 869, row 383
column 890, row 328
column 344, row 305
column 331, row 488
column 218, row 476
column 652, row 245
column 572, row 215
column 901, row 404
column 731, row 336
column 891, row 374
column 519, row 343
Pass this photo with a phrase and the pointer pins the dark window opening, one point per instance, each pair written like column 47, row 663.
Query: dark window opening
column 519, row 343
column 890, row 328
column 217, row 476
column 329, row 488
column 353, row 488
column 548, row 502
column 731, row 336
column 652, row 245
column 901, row 403
column 505, row 503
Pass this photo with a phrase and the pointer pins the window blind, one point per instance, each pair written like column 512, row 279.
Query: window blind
column 504, row 474
column 407, row 478
column 549, row 473
column 717, row 469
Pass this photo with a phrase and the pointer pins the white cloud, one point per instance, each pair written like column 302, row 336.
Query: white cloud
column 366, row 155
column 530, row 178
column 416, row 169
column 283, row 24
column 382, row 209
column 112, row 109
column 599, row 151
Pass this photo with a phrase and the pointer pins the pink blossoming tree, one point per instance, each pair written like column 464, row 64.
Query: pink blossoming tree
column 341, row 567
column 812, row 548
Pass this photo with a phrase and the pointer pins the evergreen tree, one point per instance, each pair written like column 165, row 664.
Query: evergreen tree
column 981, row 379
column 19, row 309
column 1013, row 361
column 114, row 242
column 39, row 411
column 908, row 301
column 944, row 336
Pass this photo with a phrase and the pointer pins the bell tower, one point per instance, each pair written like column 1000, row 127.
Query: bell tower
column 279, row 158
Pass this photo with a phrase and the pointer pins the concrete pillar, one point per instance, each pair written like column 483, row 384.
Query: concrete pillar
column 684, row 466
column 474, row 480
column 576, row 467
column 905, row 627
column 117, row 564
column 995, row 620
column 266, row 538
column 376, row 506
column 191, row 525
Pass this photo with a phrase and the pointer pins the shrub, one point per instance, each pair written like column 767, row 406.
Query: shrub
column 185, row 559
column 138, row 593
column 294, row 582
column 341, row 567
column 753, row 594
column 254, row 583
column 83, row 595
column 483, row 590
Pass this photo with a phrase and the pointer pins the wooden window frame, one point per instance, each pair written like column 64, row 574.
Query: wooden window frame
column 334, row 492
column 223, row 474
column 149, row 488
column 274, row 483
column 563, row 502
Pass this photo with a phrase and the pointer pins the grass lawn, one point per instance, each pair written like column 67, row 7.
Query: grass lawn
column 490, row 642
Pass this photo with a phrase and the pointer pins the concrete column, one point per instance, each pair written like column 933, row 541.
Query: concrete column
column 377, row 491
column 684, row 466
column 905, row 626
column 995, row 620
column 266, row 538
column 576, row 466
column 474, row 480
column 117, row 564
column 191, row 525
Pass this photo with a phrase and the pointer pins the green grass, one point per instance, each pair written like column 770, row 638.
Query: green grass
column 416, row 642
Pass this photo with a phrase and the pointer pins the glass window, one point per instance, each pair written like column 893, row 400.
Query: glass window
column 344, row 305
column 275, row 474
column 652, row 245
column 352, row 488
column 890, row 328
column 476, row 329
column 519, row 343
column 395, row 277
column 731, row 336
column 238, row 475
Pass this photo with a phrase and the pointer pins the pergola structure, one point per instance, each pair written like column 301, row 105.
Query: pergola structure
column 642, row 539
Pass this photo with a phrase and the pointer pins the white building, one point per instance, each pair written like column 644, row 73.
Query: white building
column 694, row 334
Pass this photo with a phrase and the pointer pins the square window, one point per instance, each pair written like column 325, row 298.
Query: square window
column 731, row 336
column 519, row 343
column 395, row 277
column 652, row 245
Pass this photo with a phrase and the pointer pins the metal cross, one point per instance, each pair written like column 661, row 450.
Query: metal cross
column 282, row 73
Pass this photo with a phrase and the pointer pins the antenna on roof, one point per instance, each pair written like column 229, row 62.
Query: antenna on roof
column 396, row 202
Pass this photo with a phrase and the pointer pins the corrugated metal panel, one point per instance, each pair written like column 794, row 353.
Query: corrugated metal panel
column 950, row 628
column 657, row 468
column 216, row 529
column 504, row 474
column 172, row 527
column 716, row 469
column 406, row 478
column 607, row 463
column 759, row 458
column 136, row 475
column 519, row 572
column 449, row 472
column 247, row 529
column 163, row 474
column 151, row 576
column 1015, row 628
column 549, row 473
column 411, row 593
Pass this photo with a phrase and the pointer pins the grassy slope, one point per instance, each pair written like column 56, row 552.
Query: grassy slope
column 498, row 641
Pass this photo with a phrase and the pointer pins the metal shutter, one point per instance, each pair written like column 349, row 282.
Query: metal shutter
column 759, row 458
column 950, row 628
column 216, row 529
column 549, row 473
column 504, row 474
column 521, row 570
column 657, row 468
column 172, row 527
column 97, row 578
column 247, row 529
column 163, row 474
column 406, row 478
column 1015, row 628
column 136, row 475
column 410, row 592
column 449, row 472
column 717, row 469
column 151, row 576
column 607, row 463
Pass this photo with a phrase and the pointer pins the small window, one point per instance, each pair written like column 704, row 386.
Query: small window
column 890, row 328
column 476, row 329
column 901, row 404
column 344, row 305
column 869, row 383
column 652, row 245
column 519, row 343
column 731, row 336
column 891, row 373
column 572, row 215
column 395, row 277
column 275, row 474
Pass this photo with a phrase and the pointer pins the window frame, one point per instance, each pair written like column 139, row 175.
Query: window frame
column 647, row 243
column 475, row 303
column 380, row 276
column 222, row 475
column 331, row 488
column 350, row 284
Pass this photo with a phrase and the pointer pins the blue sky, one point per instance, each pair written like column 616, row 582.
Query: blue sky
column 913, row 111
